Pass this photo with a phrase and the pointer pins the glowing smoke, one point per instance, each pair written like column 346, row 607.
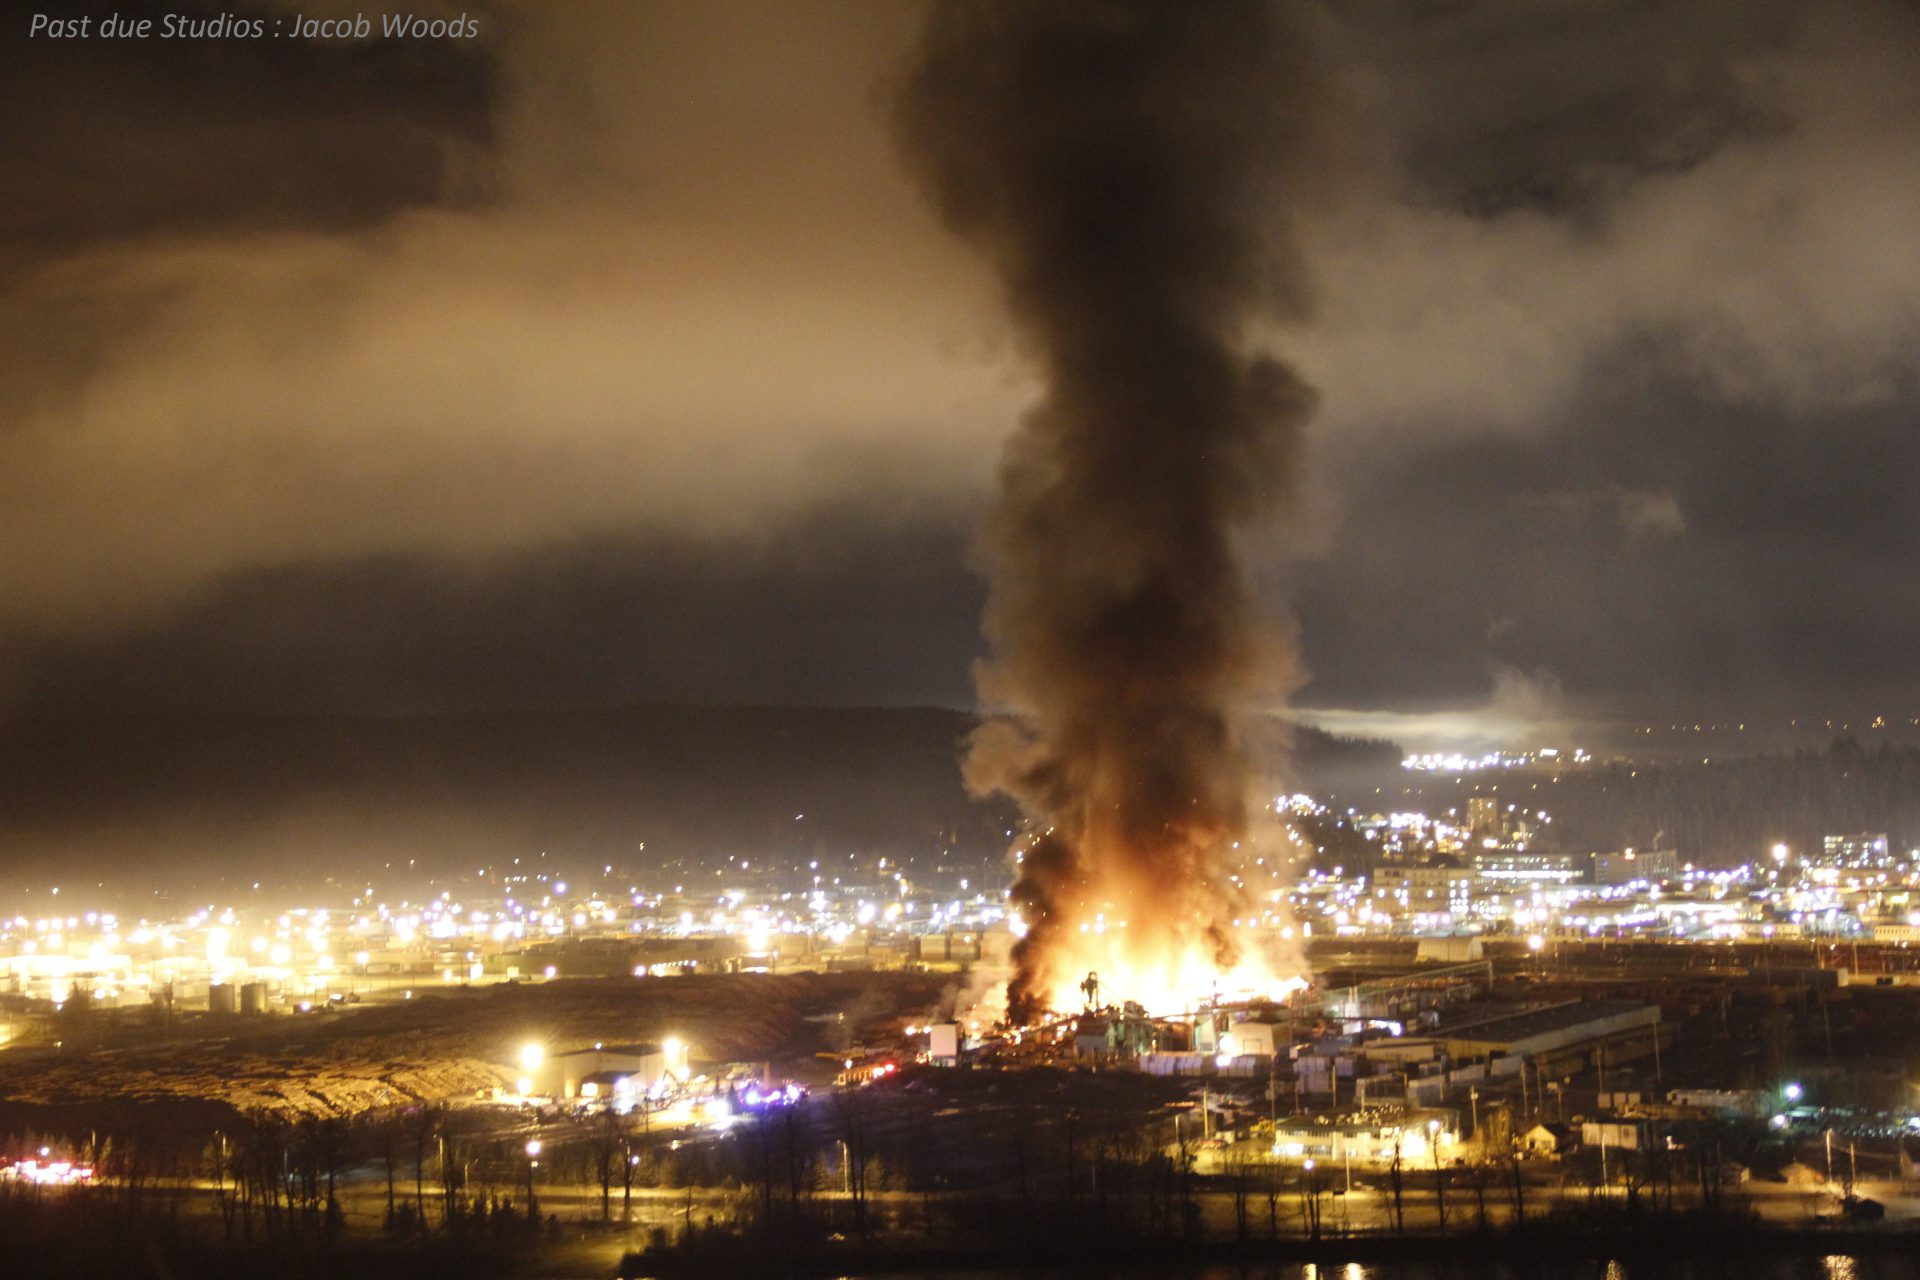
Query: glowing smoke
column 1124, row 167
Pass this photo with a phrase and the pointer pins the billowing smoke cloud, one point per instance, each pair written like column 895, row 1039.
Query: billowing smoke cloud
column 1122, row 166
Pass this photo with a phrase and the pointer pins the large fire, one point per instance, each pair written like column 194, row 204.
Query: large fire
column 1164, row 976
column 1171, row 948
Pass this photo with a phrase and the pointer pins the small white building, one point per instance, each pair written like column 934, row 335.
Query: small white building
column 1547, row 1140
column 1253, row 1039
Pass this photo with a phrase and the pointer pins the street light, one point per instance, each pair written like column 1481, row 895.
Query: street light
column 673, row 1059
column 531, row 1056
column 533, row 1162
column 1792, row 1092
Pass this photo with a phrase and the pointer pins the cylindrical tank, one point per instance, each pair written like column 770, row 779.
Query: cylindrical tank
column 220, row 998
column 253, row 998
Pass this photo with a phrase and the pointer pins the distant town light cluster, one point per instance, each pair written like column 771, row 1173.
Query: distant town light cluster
column 1457, row 762
column 1486, row 868
column 500, row 925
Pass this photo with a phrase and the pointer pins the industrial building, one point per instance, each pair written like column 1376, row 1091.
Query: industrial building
column 1630, row 1135
column 1370, row 1139
column 1860, row 849
column 602, row 1071
column 1627, row 866
column 1440, row 886
column 1530, row 867
column 1549, row 1029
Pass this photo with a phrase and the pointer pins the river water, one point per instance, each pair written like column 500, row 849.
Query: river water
column 1829, row 1267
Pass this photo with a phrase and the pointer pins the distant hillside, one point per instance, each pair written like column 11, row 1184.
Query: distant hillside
column 299, row 797
column 1717, row 812
column 278, row 794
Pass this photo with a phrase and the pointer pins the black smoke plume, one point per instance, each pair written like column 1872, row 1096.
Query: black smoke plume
column 1125, row 167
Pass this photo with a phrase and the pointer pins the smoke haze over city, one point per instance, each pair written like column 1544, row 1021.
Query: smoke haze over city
column 1057, row 638
column 549, row 368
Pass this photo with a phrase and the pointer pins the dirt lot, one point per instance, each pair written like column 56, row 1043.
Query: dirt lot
column 448, row 1044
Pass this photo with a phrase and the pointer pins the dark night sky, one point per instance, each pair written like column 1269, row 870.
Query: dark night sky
column 614, row 356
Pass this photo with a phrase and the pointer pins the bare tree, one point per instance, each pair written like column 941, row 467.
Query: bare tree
column 1479, row 1174
column 607, row 1145
column 1517, row 1183
column 853, row 1153
column 1237, row 1174
column 1397, row 1181
column 629, row 1170
column 1310, row 1188
column 423, row 1127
